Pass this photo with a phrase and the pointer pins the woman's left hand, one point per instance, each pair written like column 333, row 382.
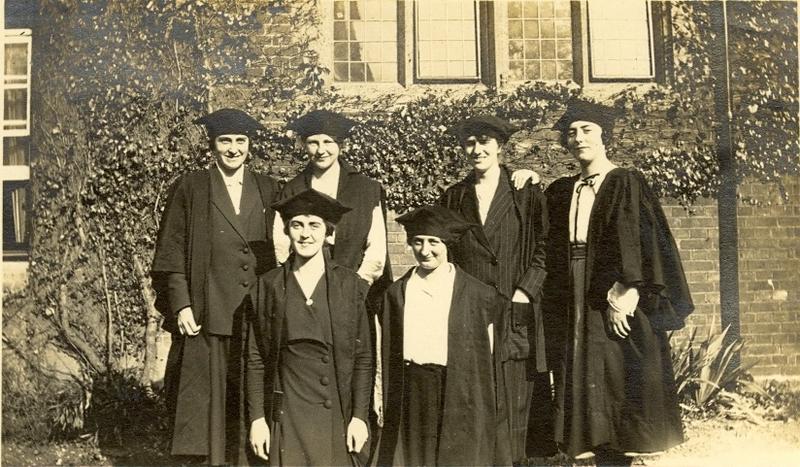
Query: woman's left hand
column 357, row 434
column 520, row 177
column 618, row 322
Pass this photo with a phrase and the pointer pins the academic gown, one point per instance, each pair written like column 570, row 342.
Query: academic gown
column 198, row 219
column 622, row 392
column 345, row 373
column 470, row 419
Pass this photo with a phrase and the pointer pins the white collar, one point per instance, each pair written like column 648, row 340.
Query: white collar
column 237, row 176
column 440, row 275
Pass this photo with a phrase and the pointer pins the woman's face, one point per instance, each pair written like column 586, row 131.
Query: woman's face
column 585, row 141
column 484, row 151
column 231, row 151
column 429, row 251
column 307, row 234
column 323, row 151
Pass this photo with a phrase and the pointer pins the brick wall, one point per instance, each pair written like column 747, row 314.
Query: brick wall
column 769, row 277
column 769, row 271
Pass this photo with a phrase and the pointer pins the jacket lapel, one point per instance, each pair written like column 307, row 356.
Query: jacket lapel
column 502, row 202
column 250, row 196
column 469, row 209
column 222, row 201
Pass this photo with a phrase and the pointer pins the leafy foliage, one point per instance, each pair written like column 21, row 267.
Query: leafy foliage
column 704, row 370
column 119, row 84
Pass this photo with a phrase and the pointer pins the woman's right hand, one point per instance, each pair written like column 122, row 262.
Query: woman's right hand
column 259, row 437
column 186, row 324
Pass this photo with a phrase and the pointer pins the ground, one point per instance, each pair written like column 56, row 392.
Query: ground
column 710, row 442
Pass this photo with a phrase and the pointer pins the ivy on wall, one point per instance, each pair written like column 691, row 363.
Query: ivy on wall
column 119, row 84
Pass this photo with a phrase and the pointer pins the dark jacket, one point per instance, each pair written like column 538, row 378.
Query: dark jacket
column 182, row 261
column 470, row 418
column 629, row 241
column 359, row 193
column 352, row 352
column 485, row 251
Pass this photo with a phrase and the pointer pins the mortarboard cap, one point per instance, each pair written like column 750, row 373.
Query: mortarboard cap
column 229, row 122
column 323, row 122
column 311, row 203
column 479, row 125
column 579, row 110
column 436, row 221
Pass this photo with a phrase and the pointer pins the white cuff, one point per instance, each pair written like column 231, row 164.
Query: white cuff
column 623, row 299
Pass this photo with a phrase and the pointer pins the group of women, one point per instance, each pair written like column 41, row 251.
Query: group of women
column 512, row 285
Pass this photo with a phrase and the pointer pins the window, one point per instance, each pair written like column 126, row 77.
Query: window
column 16, row 224
column 16, row 82
column 447, row 40
column 452, row 41
column 620, row 44
column 15, row 147
column 539, row 40
column 365, row 41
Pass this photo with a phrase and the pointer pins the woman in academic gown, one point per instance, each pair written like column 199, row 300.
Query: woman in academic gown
column 439, row 326
column 309, row 362
column 614, row 287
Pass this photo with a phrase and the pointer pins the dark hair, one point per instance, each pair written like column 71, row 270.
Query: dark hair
column 607, row 135
column 330, row 227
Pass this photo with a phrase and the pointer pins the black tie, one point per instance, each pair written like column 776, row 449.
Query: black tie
column 588, row 181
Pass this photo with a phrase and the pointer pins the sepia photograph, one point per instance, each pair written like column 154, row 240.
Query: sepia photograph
column 400, row 232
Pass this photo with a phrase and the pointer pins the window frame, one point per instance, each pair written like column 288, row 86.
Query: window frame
column 493, row 53
column 18, row 174
column 479, row 46
column 660, row 40
column 16, row 36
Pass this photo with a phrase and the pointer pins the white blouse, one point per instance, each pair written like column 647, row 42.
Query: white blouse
column 426, row 314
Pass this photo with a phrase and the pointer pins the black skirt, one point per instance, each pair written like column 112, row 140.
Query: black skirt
column 612, row 392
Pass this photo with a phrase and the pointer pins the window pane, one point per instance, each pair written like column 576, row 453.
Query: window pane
column 542, row 23
column 447, row 40
column 16, row 151
column 365, row 41
column 16, row 59
column 16, row 105
column 16, row 224
column 620, row 40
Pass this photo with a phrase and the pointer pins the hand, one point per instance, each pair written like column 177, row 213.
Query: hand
column 186, row 324
column 259, row 438
column 520, row 296
column 357, row 434
column 521, row 176
column 618, row 322
column 377, row 406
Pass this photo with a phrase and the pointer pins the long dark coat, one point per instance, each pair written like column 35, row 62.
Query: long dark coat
column 184, row 239
column 352, row 351
column 184, row 275
column 470, row 419
column 627, row 391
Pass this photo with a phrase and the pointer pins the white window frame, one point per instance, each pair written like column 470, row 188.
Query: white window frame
column 448, row 79
column 15, row 173
column 591, row 30
column 16, row 36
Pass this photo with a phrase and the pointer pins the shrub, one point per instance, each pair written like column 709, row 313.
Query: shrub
column 706, row 369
